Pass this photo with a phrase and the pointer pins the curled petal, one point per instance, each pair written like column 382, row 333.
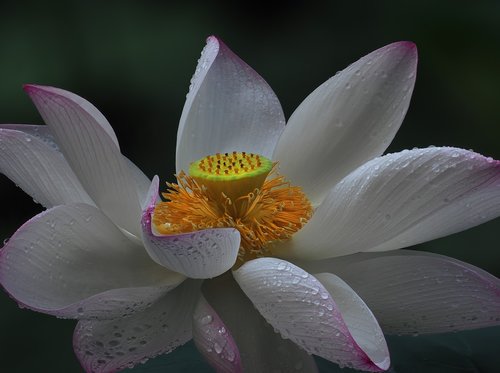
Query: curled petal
column 414, row 292
column 113, row 345
column 38, row 168
column 348, row 120
column 228, row 107
column 303, row 309
column 400, row 200
column 261, row 348
column 90, row 147
column 213, row 339
column 72, row 261
column 201, row 254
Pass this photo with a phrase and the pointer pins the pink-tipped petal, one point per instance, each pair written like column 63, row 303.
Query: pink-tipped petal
column 44, row 134
column 261, row 348
column 90, row 147
column 303, row 309
column 72, row 261
column 110, row 346
column 214, row 341
column 359, row 319
column 348, row 120
column 400, row 200
column 201, row 254
column 413, row 292
column 85, row 106
column 38, row 168
column 228, row 107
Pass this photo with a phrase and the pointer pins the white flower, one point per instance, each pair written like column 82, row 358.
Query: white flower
column 94, row 255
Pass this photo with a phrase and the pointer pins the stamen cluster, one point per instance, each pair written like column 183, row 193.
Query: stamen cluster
column 272, row 210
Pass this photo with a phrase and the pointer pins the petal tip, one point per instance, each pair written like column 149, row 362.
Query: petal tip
column 409, row 45
column 379, row 366
column 410, row 48
column 29, row 88
column 214, row 41
column 404, row 47
column 34, row 89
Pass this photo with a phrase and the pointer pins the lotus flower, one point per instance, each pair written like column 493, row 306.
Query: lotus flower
column 292, row 227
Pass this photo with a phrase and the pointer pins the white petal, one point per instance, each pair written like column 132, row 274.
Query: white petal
column 214, row 341
column 43, row 133
column 261, row 349
column 348, row 120
column 39, row 169
column 85, row 106
column 110, row 346
column 141, row 180
column 415, row 292
column 359, row 319
column 402, row 199
column 303, row 310
column 228, row 107
column 201, row 254
column 90, row 147
column 72, row 261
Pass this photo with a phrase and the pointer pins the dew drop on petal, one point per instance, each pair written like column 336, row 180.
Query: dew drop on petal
column 217, row 348
column 205, row 320
column 281, row 266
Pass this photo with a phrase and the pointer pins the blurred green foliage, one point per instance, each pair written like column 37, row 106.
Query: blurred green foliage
column 134, row 59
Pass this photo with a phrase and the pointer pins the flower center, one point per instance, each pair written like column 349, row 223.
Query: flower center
column 239, row 190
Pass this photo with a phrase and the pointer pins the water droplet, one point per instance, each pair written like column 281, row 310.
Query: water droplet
column 281, row 266
column 217, row 348
column 230, row 355
column 205, row 320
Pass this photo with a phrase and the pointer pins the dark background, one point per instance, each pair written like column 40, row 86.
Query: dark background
column 134, row 60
